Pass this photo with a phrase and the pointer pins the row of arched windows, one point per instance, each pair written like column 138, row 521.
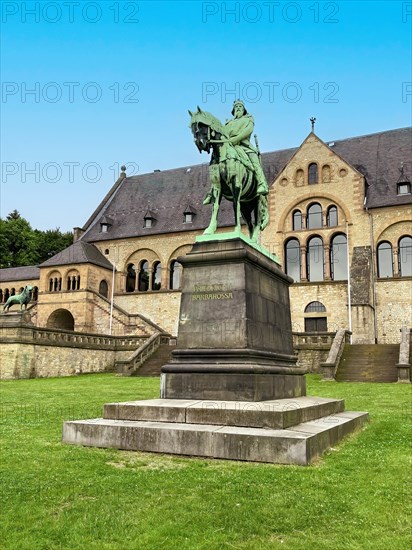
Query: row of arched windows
column 314, row 217
column 317, row 261
column 142, row 278
column 56, row 283
column 395, row 260
column 7, row 292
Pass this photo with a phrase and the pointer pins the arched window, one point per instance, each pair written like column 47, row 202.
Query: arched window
column 104, row 288
column 315, row 322
column 405, row 256
column 131, row 278
column 292, row 259
column 35, row 293
column 314, row 307
column 13, row 292
column 55, row 282
column 73, row 280
column 385, row 260
column 314, row 218
column 315, row 259
column 157, row 276
column 297, row 220
column 339, row 258
column 6, row 294
column 332, row 216
column 312, row 173
column 175, row 275
column 143, row 276
column 1, row 296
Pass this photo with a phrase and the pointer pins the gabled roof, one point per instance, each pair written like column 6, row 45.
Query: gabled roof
column 167, row 193
column 79, row 253
column 24, row 273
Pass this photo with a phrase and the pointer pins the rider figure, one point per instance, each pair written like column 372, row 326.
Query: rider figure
column 239, row 129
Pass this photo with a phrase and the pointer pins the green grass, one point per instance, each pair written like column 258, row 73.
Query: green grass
column 58, row 496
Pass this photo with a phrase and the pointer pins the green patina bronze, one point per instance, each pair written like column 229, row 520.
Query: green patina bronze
column 235, row 169
column 23, row 299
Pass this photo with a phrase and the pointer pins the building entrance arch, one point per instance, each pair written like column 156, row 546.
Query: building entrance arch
column 61, row 318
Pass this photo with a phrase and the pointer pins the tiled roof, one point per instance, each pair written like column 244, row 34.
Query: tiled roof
column 78, row 253
column 167, row 193
column 24, row 273
column 378, row 157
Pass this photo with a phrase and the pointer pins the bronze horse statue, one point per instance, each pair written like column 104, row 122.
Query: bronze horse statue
column 231, row 175
column 22, row 299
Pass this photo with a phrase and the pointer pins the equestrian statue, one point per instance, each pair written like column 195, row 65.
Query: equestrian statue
column 22, row 299
column 235, row 168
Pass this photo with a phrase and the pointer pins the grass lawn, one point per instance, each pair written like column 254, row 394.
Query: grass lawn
column 58, row 496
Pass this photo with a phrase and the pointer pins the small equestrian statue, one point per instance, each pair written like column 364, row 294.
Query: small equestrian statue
column 235, row 168
column 22, row 299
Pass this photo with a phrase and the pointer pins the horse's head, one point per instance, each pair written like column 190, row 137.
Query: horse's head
column 205, row 127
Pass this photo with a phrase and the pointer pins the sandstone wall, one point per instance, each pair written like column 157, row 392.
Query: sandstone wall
column 29, row 352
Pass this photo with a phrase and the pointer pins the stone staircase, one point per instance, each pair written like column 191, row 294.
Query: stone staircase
column 369, row 363
column 152, row 366
column 282, row 431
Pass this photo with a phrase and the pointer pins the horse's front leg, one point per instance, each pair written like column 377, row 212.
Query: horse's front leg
column 216, row 198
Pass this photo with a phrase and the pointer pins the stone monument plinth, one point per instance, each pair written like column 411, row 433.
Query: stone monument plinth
column 235, row 333
column 233, row 389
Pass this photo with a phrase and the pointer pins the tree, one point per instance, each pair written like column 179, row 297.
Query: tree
column 50, row 242
column 21, row 245
column 15, row 215
column 18, row 244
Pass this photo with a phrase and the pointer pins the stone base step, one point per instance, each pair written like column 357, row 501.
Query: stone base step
column 277, row 414
column 299, row 445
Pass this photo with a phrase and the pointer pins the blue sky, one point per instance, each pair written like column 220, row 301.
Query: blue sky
column 112, row 82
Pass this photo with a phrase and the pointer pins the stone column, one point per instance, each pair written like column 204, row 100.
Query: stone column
column 303, row 221
column 327, row 261
column 303, row 266
column 395, row 259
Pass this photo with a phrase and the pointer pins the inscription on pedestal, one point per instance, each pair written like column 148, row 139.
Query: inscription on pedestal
column 212, row 292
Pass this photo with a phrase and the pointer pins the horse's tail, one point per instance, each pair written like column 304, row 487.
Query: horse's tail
column 263, row 212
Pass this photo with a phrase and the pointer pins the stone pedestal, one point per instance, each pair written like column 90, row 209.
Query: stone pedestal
column 233, row 389
column 235, row 335
column 15, row 318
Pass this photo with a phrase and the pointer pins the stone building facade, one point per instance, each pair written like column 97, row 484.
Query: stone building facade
column 340, row 223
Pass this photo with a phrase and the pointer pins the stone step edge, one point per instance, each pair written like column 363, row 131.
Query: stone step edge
column 276, row 414
column 300, row 445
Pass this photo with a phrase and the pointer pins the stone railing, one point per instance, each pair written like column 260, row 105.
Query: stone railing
column 330, row 366
column 311, row 338
column 122, row 321
column 59, row 337
column 404, row 365
column 144, row 352
column 312, row 348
